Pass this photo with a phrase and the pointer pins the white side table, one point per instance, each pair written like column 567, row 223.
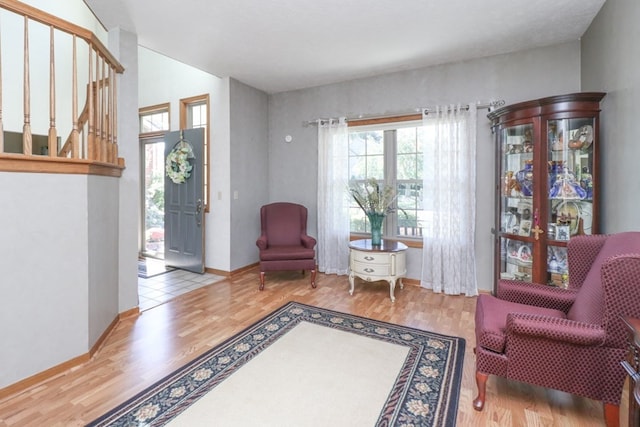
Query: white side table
column 372, row 263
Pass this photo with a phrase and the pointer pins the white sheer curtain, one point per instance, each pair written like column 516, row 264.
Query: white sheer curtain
column 448, row 255
column 333, row 207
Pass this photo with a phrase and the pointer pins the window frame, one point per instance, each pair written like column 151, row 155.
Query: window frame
column 145, row 138
column 150, row 110
column 185, row 104
column 390, row 160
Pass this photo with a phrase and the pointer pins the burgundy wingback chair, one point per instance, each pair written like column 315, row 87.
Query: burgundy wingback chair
column 283, row 242
column 571, row 339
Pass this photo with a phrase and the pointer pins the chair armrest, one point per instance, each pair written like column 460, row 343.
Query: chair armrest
column 556, row 329
column 536, row 294
column 262, row 242
column 308, row 241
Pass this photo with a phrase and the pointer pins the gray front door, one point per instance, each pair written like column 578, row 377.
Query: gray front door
column 183, row 206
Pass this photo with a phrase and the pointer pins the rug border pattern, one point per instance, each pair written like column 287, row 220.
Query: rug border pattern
column 425, row 392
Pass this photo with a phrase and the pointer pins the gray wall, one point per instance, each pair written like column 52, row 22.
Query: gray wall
column 611, row 63
column 512, row 77
column 124, row 46
column 102, row 253
column 43, row 259
column 59, row 263
column 249, row 160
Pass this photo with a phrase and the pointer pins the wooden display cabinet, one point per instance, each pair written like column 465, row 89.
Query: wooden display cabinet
column 547, row 169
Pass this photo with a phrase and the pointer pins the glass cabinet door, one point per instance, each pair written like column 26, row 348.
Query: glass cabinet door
column 570, row 145
column 516, row 201
column 546, row 184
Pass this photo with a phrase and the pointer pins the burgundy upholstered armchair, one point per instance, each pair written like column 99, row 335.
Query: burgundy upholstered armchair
column 572, row 339
column 283, row 242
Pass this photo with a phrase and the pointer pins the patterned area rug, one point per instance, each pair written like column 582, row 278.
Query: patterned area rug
column 422, row 386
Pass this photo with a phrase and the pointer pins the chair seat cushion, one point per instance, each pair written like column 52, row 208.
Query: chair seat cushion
column 491, row 320
column 276, row 253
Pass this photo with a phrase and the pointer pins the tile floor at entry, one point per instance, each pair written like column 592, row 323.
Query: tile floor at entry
column 160, row 289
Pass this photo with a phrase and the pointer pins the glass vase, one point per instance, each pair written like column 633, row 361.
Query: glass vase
column 375, row 220
column 525, row 179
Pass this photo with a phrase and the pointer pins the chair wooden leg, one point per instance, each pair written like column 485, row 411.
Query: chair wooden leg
column 481, row 382
column 313, row 279
column 611, row 415
column 262, row 280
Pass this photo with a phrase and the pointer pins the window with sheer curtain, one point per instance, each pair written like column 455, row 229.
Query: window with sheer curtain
column 448, row 254
column 392, row 153
column 429, row 161
column 333, row 207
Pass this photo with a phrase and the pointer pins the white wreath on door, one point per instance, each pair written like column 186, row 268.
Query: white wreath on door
column 177, row 166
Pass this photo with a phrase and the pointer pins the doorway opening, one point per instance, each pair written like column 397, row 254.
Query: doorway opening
column 152, row 230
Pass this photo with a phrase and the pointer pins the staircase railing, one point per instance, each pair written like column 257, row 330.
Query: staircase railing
column 93, row 133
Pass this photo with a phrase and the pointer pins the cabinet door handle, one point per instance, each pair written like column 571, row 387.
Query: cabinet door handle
column 369, row 258
column 369, row 270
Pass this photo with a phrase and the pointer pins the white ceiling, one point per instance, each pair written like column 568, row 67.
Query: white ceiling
column 280, row 45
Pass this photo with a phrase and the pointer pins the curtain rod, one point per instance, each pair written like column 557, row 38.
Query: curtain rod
column 489, row 105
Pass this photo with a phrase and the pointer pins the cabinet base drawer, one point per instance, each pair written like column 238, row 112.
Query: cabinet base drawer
column 370, row 257
column 369, row 269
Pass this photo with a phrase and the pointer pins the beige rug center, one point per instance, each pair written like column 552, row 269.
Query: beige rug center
column 312, row 376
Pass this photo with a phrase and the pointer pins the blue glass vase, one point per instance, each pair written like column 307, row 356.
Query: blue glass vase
column 555, row 168
column 375, row 220
column 525, row 179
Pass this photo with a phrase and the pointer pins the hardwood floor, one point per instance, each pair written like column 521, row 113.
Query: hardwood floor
column 143, row 349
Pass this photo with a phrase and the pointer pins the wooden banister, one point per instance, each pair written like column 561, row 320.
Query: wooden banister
column 26, row 128
column 75, row 135
column 79, row 123
column 52, row 145
column 93, row 135
column 91, row 123
column 60, row 24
